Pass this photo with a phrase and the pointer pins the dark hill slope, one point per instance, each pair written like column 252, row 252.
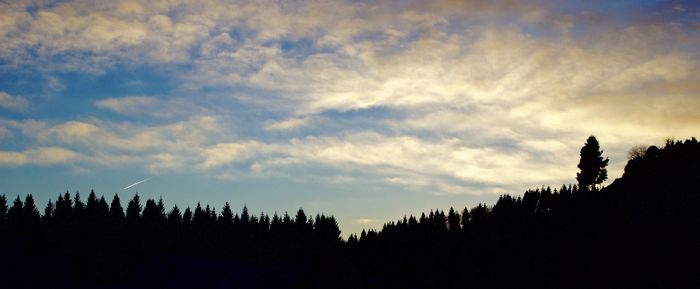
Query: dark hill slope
column 642, row 231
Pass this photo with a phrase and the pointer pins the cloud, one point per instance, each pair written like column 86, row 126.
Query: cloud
column 11, row 102
column 149, row 106
column 444, row 166
column 364, row 221
column 51, row 155
column 167, row 147
column 38, row 156
column 289, row 124
column 444, row 96
column 8, row 158
column 225, row 154
column 128, row 105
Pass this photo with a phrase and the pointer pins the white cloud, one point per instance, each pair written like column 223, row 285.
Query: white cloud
column 225, row 153
column 51, row 155
column 289, row 124
column 9, row 158
column 128, row 105
column 469, row 104
column 445, row 166
column 13, row 102
column 364, row 221
column 38, row 156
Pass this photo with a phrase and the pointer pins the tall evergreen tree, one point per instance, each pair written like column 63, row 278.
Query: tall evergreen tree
column 453, row 220
column 30, row 212
column 464, row 221
column 592, row 165
column 116, row 212
column 78, row 206
column 175, row 217
column 245, row 217
column 48, row 212
column 150, row 212
column 133, row 209
column 199, row 216
column 300, row 219
column 3, row 208
column 64, row 208
column 16, row 212
column 161, row 210
column 226, row 215
column 187, row 216
column 91, row 206
column 102, row 211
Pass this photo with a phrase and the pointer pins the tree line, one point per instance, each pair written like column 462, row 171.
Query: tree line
column 640, row 231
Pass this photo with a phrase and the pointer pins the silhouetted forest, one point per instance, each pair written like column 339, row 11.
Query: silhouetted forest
column 641, row 231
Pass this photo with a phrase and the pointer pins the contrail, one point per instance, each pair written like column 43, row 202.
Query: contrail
column 136, row 183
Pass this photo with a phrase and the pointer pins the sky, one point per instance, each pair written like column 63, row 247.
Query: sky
column 366, row 110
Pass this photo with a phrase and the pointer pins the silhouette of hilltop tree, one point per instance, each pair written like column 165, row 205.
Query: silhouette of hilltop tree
column 592, row 165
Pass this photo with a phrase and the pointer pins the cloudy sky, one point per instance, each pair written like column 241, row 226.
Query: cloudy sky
column 367, row 110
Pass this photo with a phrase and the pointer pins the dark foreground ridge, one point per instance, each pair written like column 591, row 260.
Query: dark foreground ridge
column 642, row 231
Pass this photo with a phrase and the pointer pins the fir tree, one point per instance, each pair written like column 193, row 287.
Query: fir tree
column 48, row 212
column 133, row 209
column 592, row 165
column 175, row 217
column 187, row 216
column 30, row 212
column 3, row 208
column 226, row 215
column 116, row 212
column 16, row 212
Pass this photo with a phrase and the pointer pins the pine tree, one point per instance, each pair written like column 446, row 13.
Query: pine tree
column 48, row 212
column 133, row 209
column 3, row 208
column 199, row 215
column 16, row 212
column 245, row 218
column 64, row 208
column 91, row 207
column 592, row 165
column 187, row 216
column 161, row 210
column 453, row 220
column 102, row 211
column 30, row 212
column 464, row 221
column 226, row 215
column 150, row 212
column 300, row 219
column 78, row 207
column 175, row 217
column 116, row 212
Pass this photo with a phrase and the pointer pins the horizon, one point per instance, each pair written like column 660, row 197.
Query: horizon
column 372, row 112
